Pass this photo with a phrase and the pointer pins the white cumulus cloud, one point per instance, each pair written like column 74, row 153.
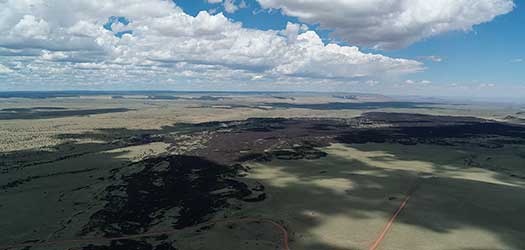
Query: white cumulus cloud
column 61, row 41
column 391, row 24
column 230, row 6
column 4, row 69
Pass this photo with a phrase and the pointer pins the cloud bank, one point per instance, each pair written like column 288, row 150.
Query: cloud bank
column 99, row 41
column 391, row 24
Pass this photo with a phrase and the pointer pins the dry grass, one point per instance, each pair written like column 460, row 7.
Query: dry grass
column 344, row 200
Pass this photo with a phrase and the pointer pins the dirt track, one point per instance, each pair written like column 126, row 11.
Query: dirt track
column 375, row 244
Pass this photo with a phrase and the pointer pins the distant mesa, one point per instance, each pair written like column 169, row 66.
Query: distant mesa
column 51, row 112
column 163, row 97
column 512, row 118
column 354, row 105
column 348, row 97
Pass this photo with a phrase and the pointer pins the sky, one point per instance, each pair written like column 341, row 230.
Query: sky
column 456, row 48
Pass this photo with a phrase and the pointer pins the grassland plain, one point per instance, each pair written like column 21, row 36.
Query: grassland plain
column 69, row 161
column 343, row 201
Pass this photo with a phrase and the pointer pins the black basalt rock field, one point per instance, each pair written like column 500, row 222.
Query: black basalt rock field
column 264, row 139
column 187, row 190
column 193, row 186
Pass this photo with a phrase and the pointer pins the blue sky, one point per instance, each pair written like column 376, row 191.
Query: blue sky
column 412, row 47
column 488, row 53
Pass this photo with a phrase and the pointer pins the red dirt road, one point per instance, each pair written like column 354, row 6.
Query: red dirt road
column 375, row 244
column 388, row 225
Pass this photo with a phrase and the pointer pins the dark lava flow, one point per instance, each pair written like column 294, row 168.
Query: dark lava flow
column 193, row 185
column 198, row 186
column 188, row 182
column 411, row 129
column 131, row 245
column 270, row 138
